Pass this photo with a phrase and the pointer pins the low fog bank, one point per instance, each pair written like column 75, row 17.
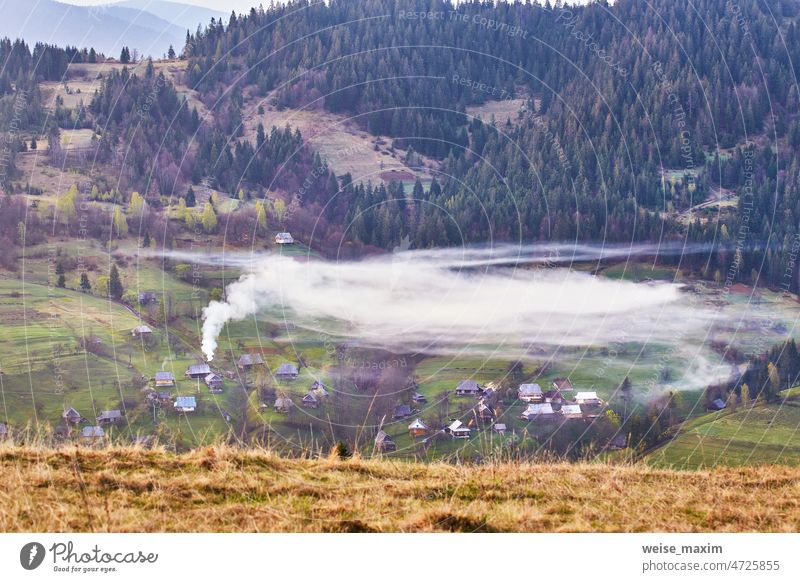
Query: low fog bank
column 458, row 298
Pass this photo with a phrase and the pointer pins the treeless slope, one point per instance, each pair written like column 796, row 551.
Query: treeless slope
column 223, row 489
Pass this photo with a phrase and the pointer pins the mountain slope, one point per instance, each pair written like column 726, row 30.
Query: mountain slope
column 222, row 489
column 184, row 16
column 105, row 28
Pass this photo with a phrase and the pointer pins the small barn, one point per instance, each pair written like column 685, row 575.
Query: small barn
column 384, row 443
column 418, row 428
column 716, row 404
column 141, row 331
column 109, row 417
column 530, row 393
column 499, row 428
column 198, row 371
column 287, row 372
column 147, row 297
column 284, row 238
column 185, row 404
column 468, row 388
column 418, row 398
column 164, row 379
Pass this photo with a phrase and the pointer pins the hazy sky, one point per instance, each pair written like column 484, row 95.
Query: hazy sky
column 221, row 5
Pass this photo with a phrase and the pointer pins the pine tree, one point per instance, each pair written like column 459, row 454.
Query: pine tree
column 85, row 285
column 62, row 280
column 146, row 241
column 115, row 289
column 190, row 199
column 171, row 53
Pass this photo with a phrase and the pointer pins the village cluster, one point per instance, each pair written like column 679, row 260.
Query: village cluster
column 539, row 406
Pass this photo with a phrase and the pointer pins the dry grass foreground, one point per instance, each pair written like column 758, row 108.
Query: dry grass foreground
column 225, row 489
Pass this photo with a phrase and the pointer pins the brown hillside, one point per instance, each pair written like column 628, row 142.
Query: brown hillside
column 223, row 489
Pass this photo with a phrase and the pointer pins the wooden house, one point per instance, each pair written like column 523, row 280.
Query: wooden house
column 530, row 393
column 484, row 411
column 147, row 297
column 283, row 404
column 92, row 433
column 588, row 399
column 499, row 428
column 247, row 361
column 185, row 404
column 571, row 411
column 468, row 388
column 562, row 384
column 402, row 411
column 418, row 428
column 539, row 411
column 198, row 371
column 310, row 400
column 72, row 416
column 716, row 404
column 418, row 398
column 458, row 430
column 287, row 372
column 215, row 383
column 164, row 379
column 384, row 443
column 109, row 417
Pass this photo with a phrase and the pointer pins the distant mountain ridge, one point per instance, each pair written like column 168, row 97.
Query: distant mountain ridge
column 148, row 26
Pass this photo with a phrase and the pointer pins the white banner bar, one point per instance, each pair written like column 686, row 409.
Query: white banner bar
column 399, row 557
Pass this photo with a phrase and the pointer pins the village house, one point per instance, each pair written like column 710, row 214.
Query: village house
column 287, row 372
column 319, row 390
column 198, row 371
column 109, row 417
column 141, row 331
column 384, row 443
column 185, row 404
column 164, row 379
column 539, row 411
column 247, row 361
column 284, row 238
column 72, row 416
column 418, row 398
column 571, row 411
column 418, row 428
column 716, row 404
column 310, row 401
column 458, row 430
column 283, row 404
column 92, row 433
column 562, row 384
column 468, row 388
column 147, row 297
column 554, row 397
column 489, row 393
column 215, row 383
column 162, row 397
column 402, row 411
column 484, row 412
column 619, row 442
column 588, row 399
column 499, row 428
column 530, row 393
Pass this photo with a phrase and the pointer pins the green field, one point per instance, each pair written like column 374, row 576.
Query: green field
column 761, row 434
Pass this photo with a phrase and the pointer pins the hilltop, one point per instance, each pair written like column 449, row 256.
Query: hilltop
column 224, row 489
